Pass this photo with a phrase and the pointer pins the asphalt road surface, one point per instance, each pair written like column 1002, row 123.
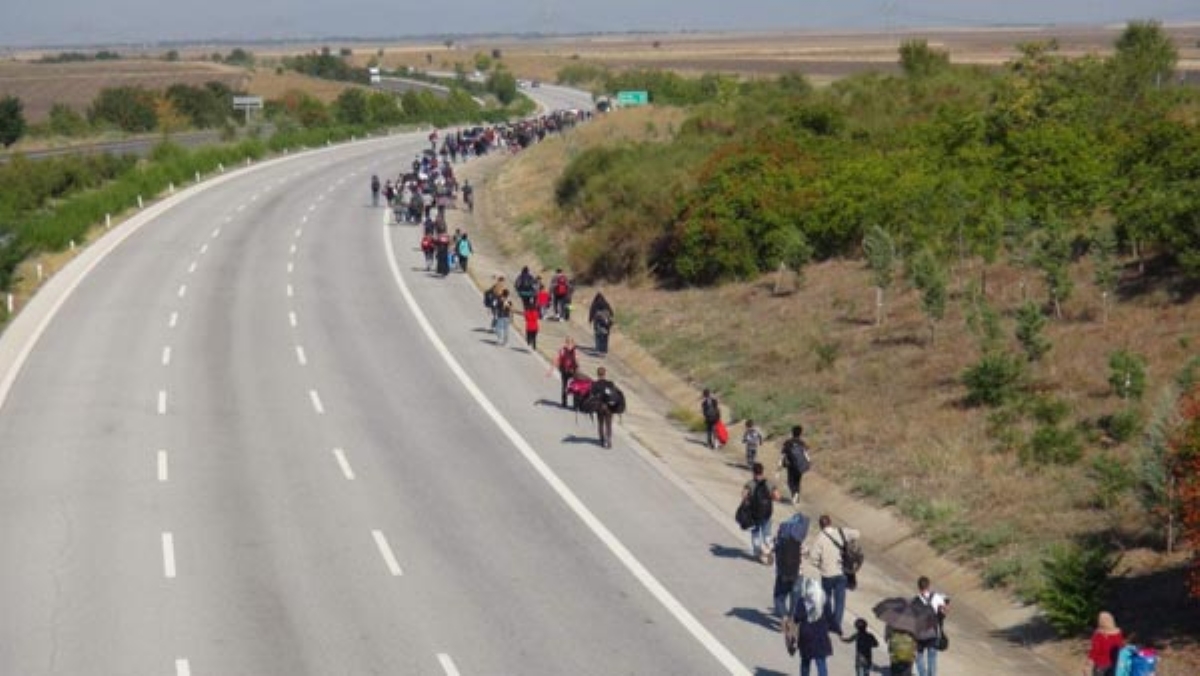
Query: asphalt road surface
column 247, row 433
column 254, row 436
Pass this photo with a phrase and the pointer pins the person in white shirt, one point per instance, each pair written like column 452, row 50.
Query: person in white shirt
column 824, row 552
column 927, row 650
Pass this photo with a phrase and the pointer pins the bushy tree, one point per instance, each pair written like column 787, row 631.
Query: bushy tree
column 65, row 121
column 350, row 107
column 919, row 60
column 1030, row 326
column 12, row 120
column 503, row 85
column 1077, row 581
column 929, row 277
column 1127, row 374
column 130, row 109
column 1185, row 449
column 881, row 254
column 1144, row 58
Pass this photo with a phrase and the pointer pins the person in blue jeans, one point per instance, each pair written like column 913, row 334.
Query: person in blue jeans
column 503, row 317
column 825, row 554
column 761, row 494
column 927, row 651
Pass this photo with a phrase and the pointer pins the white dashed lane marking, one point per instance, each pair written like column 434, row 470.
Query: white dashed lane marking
column 168, row 552
column 162, row 402
column 316, row 402
column 384, row 550
column 163, row 473
column 182, row 668
column 343, row 463
column 166, row 356
column 300, row 356
column 447, row 664
column 292, row 319
column 290, row 292
column 182, row 290
column 173, row 320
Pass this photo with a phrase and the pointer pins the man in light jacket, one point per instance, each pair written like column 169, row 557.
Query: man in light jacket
column 824, row 552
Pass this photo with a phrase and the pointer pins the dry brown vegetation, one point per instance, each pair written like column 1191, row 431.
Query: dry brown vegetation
column 884, row 404
column 41, row 85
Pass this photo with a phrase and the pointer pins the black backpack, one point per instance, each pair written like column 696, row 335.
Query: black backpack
column 787, row 558
column 614, row 399
column 797, row 455
column 761, row 504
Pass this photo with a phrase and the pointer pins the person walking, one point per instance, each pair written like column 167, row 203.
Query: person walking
column 825, row 553
column 789, row 552
column 603, row 413
column 532, row 324
column 1107, row 641
column 469, row 195
column 504, row 311
column 560, row 288
column 374, row 190
column 761, row 495
column 752, row 438
column 865, row 644
column 927, row 649
column 812, row 632
column 710, row 408
column 902, row 651
column 567, row 363
column 795, row 459
column 602, row 317
column 464, row 252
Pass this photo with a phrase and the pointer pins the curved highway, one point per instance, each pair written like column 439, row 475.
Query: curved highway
column 247, row 433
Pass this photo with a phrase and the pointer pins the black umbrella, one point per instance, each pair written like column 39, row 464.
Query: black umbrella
column 902, row 614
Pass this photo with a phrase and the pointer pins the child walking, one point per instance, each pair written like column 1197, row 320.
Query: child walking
column 532, row 315
column 753, row 438
column 864, row 642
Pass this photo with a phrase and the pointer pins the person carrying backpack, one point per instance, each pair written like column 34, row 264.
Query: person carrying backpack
column 601, row 317
column 795, row 459
column 567, row 363
column 826, row 552
column 789, row 550
column 761, row 495
column 601, row 387
column 526, row 287
column 374, row 191
column 560, row 289
column 927, row 649
column 464, row 251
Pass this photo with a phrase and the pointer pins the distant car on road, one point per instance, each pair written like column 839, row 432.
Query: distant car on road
column 535, row 83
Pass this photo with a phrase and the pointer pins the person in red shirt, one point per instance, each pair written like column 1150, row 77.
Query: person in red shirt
column 1106, row 641
column 542, row 299
column 532, row 315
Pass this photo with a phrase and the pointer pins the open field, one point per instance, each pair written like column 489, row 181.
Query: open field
column 41, row 85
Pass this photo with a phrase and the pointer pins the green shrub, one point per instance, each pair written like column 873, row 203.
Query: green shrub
column 1127, row 374
column 1113, row 479
column 1076, row 583
column 1053, row 445
column 994, row 380
column 1122, row 425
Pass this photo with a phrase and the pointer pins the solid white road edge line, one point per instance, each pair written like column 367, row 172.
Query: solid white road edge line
column 386, row 552
column 622, row 553
column 447, row 664
column 168, row 547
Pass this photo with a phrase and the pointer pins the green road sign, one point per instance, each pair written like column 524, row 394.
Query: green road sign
column 633, row 98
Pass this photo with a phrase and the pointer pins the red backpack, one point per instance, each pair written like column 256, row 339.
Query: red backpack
column 560, row 286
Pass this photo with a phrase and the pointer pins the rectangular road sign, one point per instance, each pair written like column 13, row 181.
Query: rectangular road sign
column 633, row 98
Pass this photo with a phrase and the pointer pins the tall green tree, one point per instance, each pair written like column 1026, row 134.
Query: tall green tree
column 130, row 109
column 12, row 120
column 917, row 59
column 881, row 255
column 1144, row 59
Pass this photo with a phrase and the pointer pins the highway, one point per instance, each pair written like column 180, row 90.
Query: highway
column 247, row 433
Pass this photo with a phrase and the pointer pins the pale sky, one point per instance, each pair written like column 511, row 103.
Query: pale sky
column 100, row 22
